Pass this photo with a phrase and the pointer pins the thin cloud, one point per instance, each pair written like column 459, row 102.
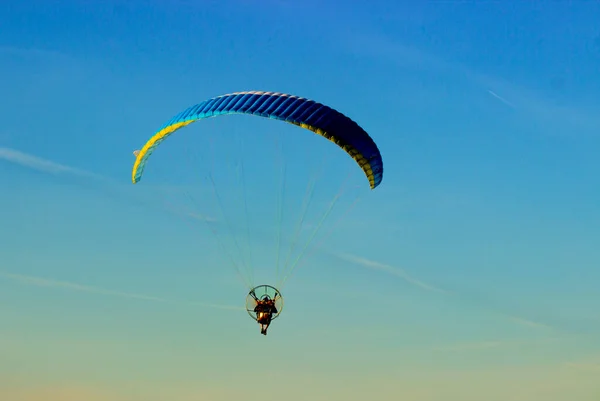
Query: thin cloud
column 202, row 217
column 186, row 215
column 396, row 271
column 43, row 165
column 50, row 167
column 527, row 322
column 50, row 283
column 530, row 101
column 404, row 275
column 33, row 52
column 472, row 346
column 503, row 100
column 486, row 345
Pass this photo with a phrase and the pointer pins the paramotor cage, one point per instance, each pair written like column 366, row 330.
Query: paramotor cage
column 261, row 293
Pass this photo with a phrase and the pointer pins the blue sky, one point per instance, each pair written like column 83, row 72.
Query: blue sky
column 473, row 265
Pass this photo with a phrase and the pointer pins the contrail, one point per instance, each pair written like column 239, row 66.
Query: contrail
column 50, row 167
column 45, row 282
column 404, row 275
column 396, row 271
column 494, row 94
column 43, row 165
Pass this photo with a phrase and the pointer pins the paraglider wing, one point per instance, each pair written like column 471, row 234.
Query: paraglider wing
column 302, row 112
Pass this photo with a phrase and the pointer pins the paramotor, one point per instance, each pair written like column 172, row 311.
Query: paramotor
column 264, row 303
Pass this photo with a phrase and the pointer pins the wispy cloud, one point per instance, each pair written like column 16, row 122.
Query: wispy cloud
column 410, row 279
column 202, row 217
column 524, row 99
column 47, row 166
column 503, row 100
column 32, row 52
column 393, row 270
column 50, row 283
column 527, row 322
column 50, row 167
column 471, row 346
column 43, row 165
column 494, row 344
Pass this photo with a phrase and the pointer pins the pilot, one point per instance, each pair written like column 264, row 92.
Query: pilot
column 265, row 309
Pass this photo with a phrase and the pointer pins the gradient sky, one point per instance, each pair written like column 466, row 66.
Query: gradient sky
column 471, row 273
